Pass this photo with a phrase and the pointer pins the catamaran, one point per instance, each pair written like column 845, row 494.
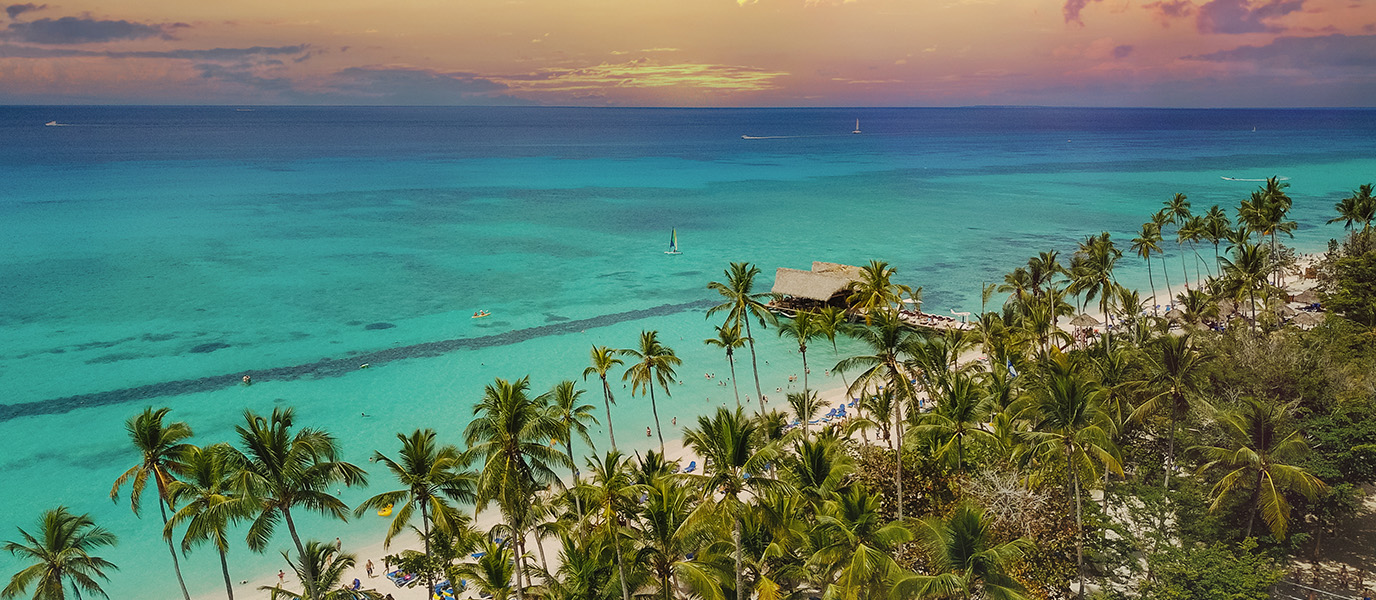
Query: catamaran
column 857, row 126
column 673, row 242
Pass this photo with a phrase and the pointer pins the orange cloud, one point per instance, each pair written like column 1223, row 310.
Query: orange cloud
column 646, row 73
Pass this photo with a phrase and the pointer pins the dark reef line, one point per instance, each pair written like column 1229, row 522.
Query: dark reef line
column 330, row 367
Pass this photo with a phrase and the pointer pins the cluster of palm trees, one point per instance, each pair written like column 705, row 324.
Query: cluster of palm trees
column 774, row 512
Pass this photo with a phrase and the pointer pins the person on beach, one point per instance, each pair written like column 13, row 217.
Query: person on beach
column 369, row 568
column 281, row 577
column 338, row 545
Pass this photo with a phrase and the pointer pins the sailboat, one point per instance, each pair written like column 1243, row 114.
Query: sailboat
column 857, row 126
column 673, row 242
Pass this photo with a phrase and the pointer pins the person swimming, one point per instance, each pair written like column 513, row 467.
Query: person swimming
column 248, row 380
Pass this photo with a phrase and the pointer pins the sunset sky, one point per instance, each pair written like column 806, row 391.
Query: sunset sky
column 692, row 52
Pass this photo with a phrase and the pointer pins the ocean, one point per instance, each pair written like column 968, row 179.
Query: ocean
column 150, row 256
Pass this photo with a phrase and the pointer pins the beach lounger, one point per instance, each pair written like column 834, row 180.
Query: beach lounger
column 692, row 466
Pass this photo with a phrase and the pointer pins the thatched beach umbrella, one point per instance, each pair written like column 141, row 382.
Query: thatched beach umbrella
column 1307, row 297
column 1226, row 307
column 1175, row 314
column 1307, row 320
column 1084, row 320
column 1285, row 311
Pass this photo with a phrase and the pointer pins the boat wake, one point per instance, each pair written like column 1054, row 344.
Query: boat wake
column 785, row 137
column 1263, row 180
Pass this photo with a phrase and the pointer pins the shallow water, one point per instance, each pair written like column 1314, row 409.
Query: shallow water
column 151, row 256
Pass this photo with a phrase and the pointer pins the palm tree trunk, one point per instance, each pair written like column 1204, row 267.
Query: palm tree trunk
column 754, row 366
column 740, row 575
column 607, row 402
column 176, row 566
column 1252, row 514
column 1170, row 450
column 1184, row 267
column 224, row 568
column 620, row 566
column 306, row 567
column 803, row 350
column 1079, row 528
column 1155, row 302
column 731, row 358
column 540, row 545
column 521, row 557
column 1167, row 273
column 425, row 537
column 655, row 410
column 577, row 502
column 898, row 430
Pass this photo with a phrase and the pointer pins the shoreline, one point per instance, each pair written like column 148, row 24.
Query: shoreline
column 675, row 450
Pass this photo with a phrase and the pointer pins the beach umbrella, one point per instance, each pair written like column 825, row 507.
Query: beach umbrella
column 1307, row 297
column 1175, row 314
column 1307, row 320
column 1226, row 307
column 1285, row 311
column 1084, row 320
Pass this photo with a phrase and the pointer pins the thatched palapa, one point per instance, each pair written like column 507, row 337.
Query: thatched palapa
column 825, row 283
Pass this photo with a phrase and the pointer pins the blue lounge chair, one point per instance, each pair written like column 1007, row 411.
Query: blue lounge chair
column 692, row 466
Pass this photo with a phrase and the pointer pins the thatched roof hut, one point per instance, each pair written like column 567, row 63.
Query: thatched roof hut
column 826, row 282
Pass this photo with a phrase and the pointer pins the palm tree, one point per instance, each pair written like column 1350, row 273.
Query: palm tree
column 325, row 566
column 565, row 405
column 960, row 413
column 729, row 338
column 802, row 328
column 493, row 572
column 742, row 304
column 818, row 469
column 1144, row 245
column 876, row 412
column 1092, row 274
column 805, row 406
column 583, row 573
column 1217, row 226
column 1259, row 463
column 611, row 494
column 855, row 554
column 603, row 359
column 1265, row 213
column 885, row 339
column 654, row 365
column 1160, row 219
column 1069, row 427
column 431, row 475
column 1247, row 270
column 1360, row 207
column 876, row 291
column 833, row 320
column 1174, row 373
column 732, row 443
column 61, row 557
column 508, row 434
column 282, row 471
column 209, row 502
column 671, row 543
column 160, row 450
column 1177, row 211
column 966, row 563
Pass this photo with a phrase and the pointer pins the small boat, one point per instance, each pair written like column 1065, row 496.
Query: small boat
column 385, row 511
column 52, row 124
column 480, row 314
column 857, row 126
column 673, row 242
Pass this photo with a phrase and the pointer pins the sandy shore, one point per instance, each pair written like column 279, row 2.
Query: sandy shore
column 830, row 390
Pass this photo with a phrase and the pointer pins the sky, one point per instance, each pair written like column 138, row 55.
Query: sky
column 1162, row 53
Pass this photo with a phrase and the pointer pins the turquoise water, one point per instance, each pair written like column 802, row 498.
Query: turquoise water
column 151, row 256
